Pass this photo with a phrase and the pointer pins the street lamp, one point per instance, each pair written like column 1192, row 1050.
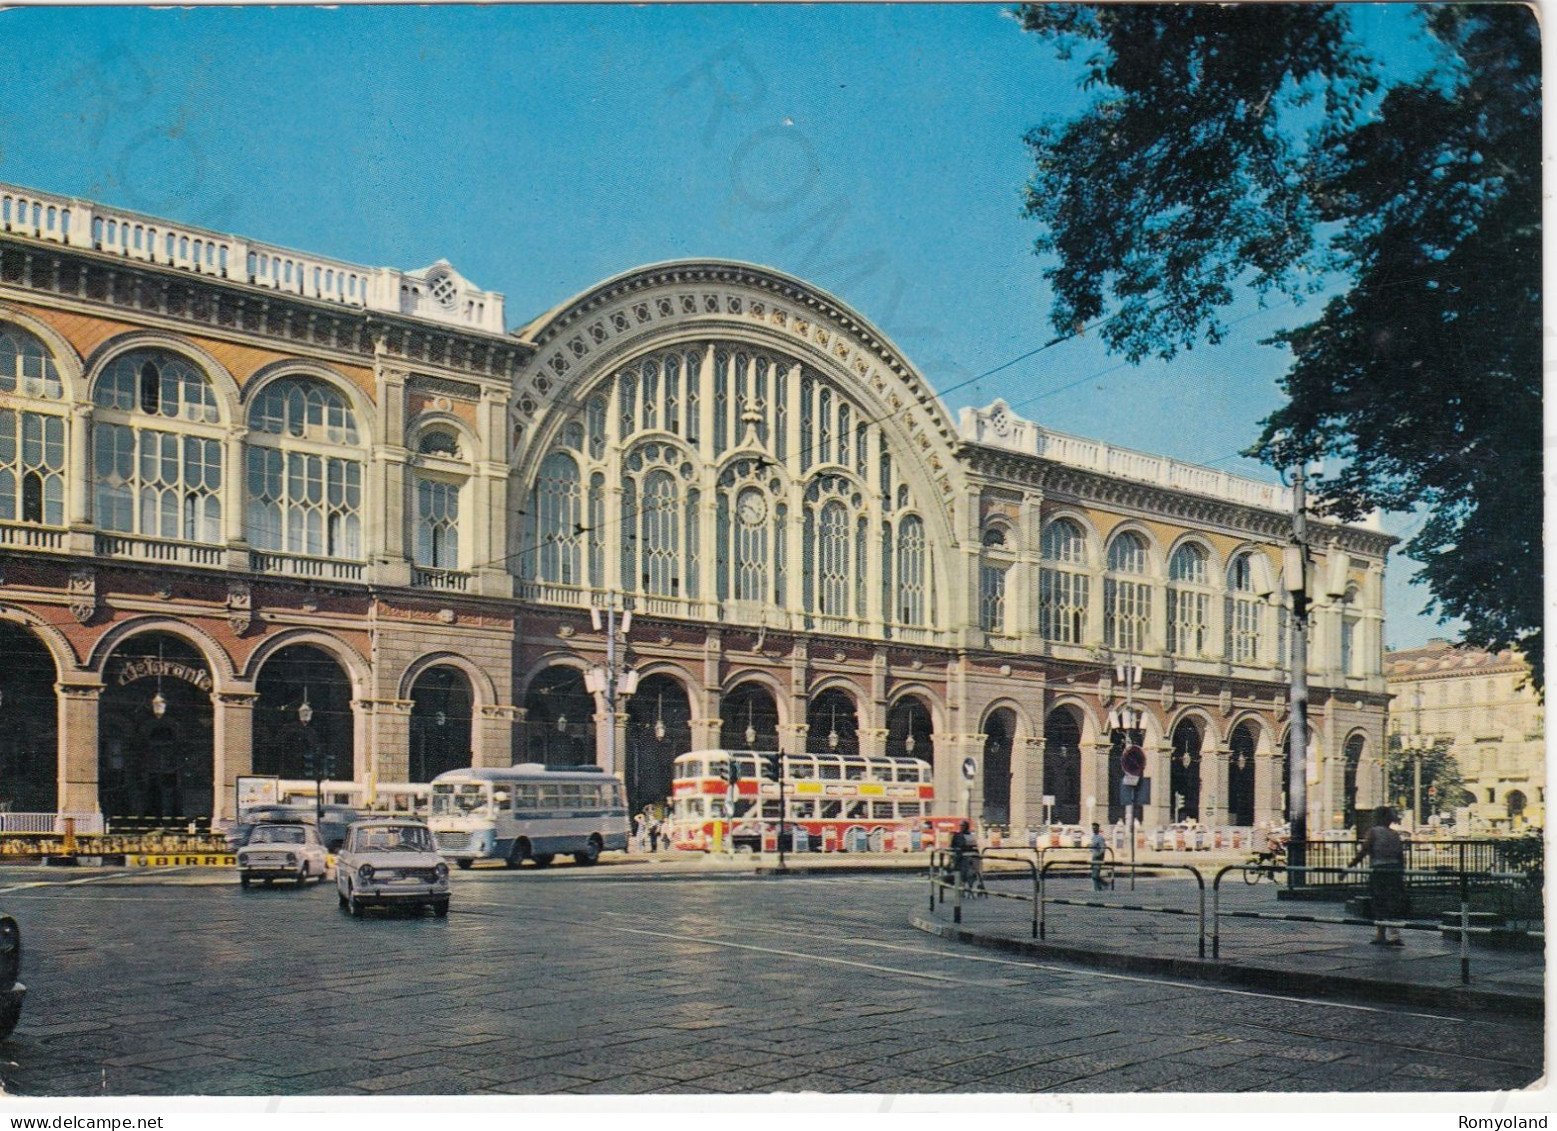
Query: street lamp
column 751, row 727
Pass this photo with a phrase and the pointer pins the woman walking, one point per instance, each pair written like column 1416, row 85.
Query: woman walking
column 1386, row 875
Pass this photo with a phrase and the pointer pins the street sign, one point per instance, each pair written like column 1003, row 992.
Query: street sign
column 970, row 768
column 1138, row 792
column 1133, row 762
column 1048, row 799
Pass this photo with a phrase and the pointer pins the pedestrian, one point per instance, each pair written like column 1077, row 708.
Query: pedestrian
column 1099, row 847
column 638, row 837
column 965, row 857
column 654, row 834
column 1386, row 876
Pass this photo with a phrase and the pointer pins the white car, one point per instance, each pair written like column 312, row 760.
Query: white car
column 391, row 861
column 283, row 852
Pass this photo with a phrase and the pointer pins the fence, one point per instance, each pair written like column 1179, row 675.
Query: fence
column 50, row 822
column 951, row 871
column 1326, row 861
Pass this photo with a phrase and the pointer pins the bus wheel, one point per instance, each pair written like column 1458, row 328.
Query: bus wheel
column 518, row 852
column 591, row 853
column 464, row 863
column 544, row 859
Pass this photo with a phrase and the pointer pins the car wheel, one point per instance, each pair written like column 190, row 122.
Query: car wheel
column 353, row 904
column 464, row 864
column 10, row 1014
column 243, row 881
column 340, row 897
column 591, row 853
column 544, row 859
column 441, row 908
column 518, row 852
column 302, row 875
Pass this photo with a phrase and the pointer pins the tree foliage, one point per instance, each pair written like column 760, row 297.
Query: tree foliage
column 1258, row 146
column 1440, row 768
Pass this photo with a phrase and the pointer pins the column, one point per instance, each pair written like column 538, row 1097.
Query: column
column 873, row 741
column 1026, row 782
column 705, row 733
column 78, row 484
column 78, row 753
column 1159, row 764
column 234, row 742
column 1094, row 783
column 1213, row 785
column 234, row 483
column 390, row 759
column 492, row 737
column 792, row 737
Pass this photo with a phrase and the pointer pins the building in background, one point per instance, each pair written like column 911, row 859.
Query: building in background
column 1485, row 708
column 237, row 480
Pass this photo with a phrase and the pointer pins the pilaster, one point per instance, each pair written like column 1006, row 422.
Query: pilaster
column 78, row 746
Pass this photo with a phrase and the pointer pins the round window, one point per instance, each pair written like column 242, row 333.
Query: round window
column 444, row 290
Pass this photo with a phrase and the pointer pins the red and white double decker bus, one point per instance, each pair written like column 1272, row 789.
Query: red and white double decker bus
column 834, row 803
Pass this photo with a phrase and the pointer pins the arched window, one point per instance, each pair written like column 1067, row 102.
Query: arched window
column 1245, row 610
column 1126, row 602
column 439, row 442
column 1350, row 620
column 911, row 571
column 27, row 367
column 32, row 443
column 437, row 524
column 833, row 561
column 150, row 482
column 1062, row 586
column 304, row 495
column 553, row 522
column 1189, row 601
column 751, row 545
column 659, row 511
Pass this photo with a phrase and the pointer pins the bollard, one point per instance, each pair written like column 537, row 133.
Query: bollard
column 1464, row 928
column 69, row 846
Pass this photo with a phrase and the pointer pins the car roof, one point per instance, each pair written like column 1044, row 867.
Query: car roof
column 399, row 822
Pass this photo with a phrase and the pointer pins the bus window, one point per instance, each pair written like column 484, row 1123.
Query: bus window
column 881, row 810
column 802, row 768
column 527, row 796
column 771, row 809
column 854, row 809
column 744, row 806
column 908, row 808
column 568, row 796
column 854, row 771
column 547, row 796
column 829, row 771
column 694, row 768
column 748, row 767
column 831, row 809
column 801, row 810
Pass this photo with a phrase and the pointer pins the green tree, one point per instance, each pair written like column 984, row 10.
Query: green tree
column 1440, row 771
column 1258, row 146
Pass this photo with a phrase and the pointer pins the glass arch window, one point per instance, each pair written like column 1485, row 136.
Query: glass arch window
column 1189, row 601
column 157, row 383
column 1126, row 603
column 437, row 524
column 911, row 570
column 304, row 495
column 553, row 521
column 833, row 561
column 148, row 481
column 1245, row 611
column 751, row 545
column 1063, row 587
column 26, row 366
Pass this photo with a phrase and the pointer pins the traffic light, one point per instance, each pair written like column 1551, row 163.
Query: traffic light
column 770, row 767
column 732, row 772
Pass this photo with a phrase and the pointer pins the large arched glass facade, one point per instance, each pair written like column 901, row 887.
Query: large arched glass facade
column 304, row 487
column 721, row 481
column 33, row 426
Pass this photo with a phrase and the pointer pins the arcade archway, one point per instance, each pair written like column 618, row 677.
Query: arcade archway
column 440, row 722
column 1184, row 776
column 999, row 734
column 834, row 724
column 155, row 721
column 559, row 719
column 911, row 730
column 1240, row 775
column 659, row 727
column 29, row 723
column 1062, row 765
column 749, row 718
column 304, row 709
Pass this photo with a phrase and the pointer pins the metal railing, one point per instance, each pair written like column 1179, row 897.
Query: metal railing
column 1044, row 899
column 1461, row 883
column 946, row 874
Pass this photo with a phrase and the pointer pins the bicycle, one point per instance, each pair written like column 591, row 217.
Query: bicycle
column 1265, row 864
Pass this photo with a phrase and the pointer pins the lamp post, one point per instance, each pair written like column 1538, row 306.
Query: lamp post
column 1295, row 563
column 305, row 715
column 607, row 681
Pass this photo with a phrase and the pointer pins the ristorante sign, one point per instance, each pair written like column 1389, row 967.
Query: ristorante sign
column 132, row 670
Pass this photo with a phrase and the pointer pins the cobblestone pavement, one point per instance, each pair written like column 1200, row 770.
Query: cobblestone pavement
column 594, row 982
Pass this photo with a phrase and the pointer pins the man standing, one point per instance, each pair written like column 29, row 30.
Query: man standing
column 1099, row 848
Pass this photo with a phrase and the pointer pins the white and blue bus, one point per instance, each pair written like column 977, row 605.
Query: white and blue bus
column 511, row 813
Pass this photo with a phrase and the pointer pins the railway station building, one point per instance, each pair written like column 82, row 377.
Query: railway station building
column 259, row 506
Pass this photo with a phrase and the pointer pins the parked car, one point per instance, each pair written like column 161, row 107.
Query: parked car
column 389, row 861
column 11, row 990
column 332, row 828
column 283, row 851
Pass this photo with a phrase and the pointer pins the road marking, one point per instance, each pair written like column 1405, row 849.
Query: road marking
column 768, row 950
column 855, row 940
column 62, row 883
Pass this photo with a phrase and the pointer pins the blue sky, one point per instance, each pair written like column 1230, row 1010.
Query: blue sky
column 876, row 151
